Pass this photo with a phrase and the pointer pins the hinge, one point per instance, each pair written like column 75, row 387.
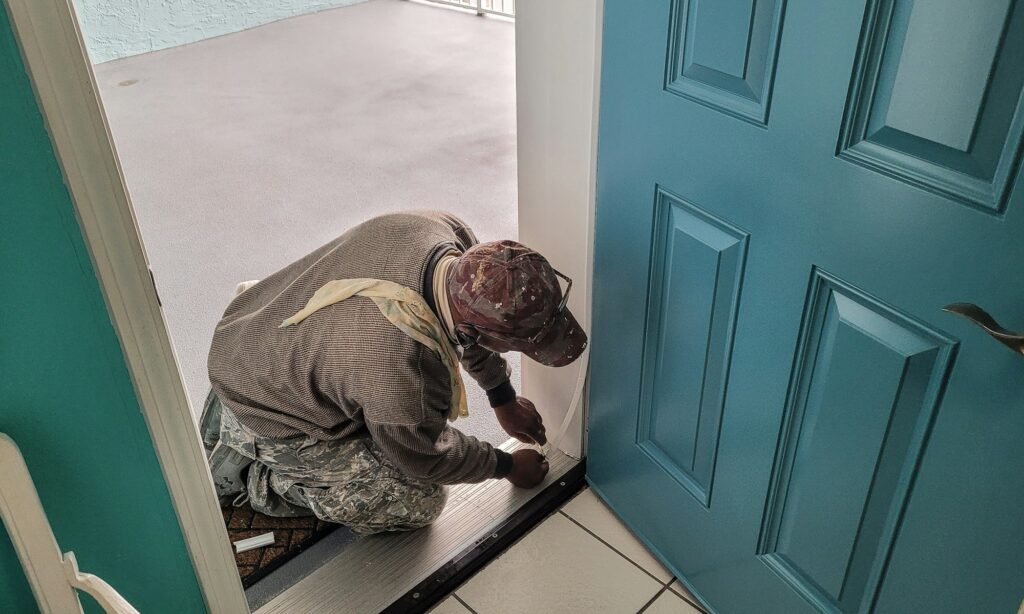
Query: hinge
column 157, row 291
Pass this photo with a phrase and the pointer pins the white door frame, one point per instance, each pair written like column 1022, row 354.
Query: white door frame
column 558, row 59
column 56, row 60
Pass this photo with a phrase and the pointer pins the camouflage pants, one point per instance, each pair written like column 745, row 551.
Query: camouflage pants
column 348, row 482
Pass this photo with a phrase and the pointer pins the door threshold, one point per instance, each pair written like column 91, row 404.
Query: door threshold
column 410, row 572
column 452, row 574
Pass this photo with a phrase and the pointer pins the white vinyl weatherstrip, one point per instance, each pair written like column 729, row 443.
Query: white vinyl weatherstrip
column 260, row 541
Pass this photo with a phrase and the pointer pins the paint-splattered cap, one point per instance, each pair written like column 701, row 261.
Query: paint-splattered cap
column 511, row 293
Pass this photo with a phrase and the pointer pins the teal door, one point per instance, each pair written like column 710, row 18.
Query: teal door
column 789, row 192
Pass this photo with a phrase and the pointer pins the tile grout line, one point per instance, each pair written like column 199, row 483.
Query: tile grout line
column 665, row 585
column 613, row 549
column 653, row 599
column 464, row 604
column 684, row 597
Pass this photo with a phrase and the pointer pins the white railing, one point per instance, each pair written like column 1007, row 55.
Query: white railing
column 506, row 8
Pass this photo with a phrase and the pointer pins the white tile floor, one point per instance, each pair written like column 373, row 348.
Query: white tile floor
column 581, row 559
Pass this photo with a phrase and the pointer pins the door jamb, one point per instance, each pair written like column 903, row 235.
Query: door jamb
column 558, row 75
column 51, row 42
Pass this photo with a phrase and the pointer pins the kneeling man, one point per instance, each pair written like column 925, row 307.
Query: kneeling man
column 334, row 380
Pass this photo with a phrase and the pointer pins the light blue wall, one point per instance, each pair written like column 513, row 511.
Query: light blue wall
column 120, row 28
column 66, row 397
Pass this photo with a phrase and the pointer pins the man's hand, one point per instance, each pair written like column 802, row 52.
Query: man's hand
column 528, row 468
column 521, row 420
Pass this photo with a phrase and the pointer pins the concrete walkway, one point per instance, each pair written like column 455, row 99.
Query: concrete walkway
column 244, row 152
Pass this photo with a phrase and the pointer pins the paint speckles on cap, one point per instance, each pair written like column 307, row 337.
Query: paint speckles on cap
column 510, row 292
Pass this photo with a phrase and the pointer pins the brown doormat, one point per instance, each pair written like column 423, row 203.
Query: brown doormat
column 291, row 536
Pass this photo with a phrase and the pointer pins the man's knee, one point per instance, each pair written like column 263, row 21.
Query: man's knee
column 432, row 505
column 406, row 509
column 377, row 510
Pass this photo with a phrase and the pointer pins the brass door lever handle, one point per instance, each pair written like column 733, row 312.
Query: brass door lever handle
column 1012, row 340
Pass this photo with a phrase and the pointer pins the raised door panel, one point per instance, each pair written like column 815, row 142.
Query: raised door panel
column 866, row 385
column 722, row 54
column 697, row 264
column 936, row 98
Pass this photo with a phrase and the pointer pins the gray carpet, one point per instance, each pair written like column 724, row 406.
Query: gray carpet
column 244, row 152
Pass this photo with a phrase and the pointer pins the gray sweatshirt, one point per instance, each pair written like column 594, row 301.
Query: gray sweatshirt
column 346, row 372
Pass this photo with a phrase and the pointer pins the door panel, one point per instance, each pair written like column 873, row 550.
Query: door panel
column 936, row 94
column 779, row 407
column 722, row 54
column 863, row 395
column 697, row 269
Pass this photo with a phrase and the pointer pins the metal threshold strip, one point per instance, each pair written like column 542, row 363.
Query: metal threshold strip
column 375, row 572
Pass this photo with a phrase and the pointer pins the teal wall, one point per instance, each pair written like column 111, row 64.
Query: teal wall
column 65, row 394
column 119, row 28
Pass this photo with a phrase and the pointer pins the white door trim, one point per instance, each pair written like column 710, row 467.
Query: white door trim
column 50, row 40
column 558, row 65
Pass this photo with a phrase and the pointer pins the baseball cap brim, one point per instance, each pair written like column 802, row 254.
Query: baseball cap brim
column 562, row 343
